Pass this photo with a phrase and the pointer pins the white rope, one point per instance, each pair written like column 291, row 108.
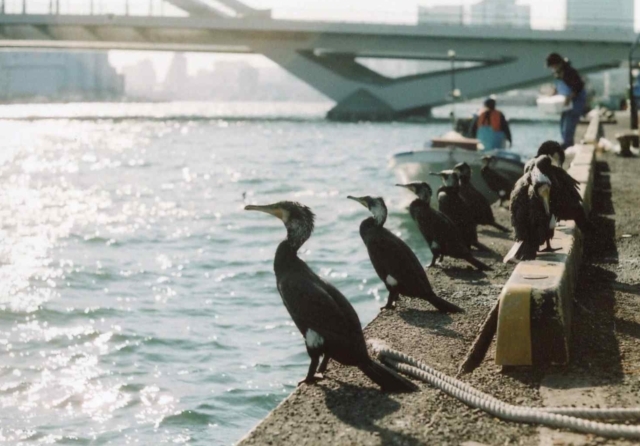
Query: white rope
column 560, row 417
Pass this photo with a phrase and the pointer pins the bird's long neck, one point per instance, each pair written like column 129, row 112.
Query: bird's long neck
column 453, row 188
column 298, row 232
column 422, row 200
column 379, row 214
column 286, row 255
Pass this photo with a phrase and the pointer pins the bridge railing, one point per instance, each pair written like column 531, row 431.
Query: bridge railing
column 596, row 14
column 91, row 7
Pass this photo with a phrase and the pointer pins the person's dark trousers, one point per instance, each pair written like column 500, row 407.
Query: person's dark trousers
column 568, row 123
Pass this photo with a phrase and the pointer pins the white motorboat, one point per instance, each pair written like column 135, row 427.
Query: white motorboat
column 417, row 165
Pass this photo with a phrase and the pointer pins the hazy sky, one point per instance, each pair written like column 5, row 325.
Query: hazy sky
column 545, row 14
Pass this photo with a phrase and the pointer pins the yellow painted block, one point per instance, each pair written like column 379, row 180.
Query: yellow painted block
column 514, row 326
column 550, row 276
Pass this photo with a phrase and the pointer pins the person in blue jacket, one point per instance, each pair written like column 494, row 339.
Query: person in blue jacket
column 491, row 127
column 570, row 85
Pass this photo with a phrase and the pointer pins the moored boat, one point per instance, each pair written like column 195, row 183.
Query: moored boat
column 416, row 165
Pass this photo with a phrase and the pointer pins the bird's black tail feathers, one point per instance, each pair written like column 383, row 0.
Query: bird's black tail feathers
column 480, row 266
column 441, row 304
column 387, row 379
column 500, row 227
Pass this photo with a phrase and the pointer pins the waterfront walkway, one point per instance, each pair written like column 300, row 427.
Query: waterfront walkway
column 346, row 409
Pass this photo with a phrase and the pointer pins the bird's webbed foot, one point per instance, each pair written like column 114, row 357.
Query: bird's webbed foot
column 549, row 248
column 311, row 380
column 312, row 377
column 391, row 301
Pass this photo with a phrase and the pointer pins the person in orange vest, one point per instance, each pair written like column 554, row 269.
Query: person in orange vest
column 491, row 127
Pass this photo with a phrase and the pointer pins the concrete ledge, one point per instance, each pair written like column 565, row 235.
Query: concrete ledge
column 534, row 318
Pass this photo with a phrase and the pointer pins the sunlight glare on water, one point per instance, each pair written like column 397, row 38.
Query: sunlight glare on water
column 137, row 299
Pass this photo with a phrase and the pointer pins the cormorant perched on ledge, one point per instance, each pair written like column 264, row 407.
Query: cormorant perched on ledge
column 451, row 204
column 329, row 324
column 531, row 215
column 496, row 182
column 553, row 150
column 394, row 262
column 477, row 203
column 440, row 233
column 565, row 201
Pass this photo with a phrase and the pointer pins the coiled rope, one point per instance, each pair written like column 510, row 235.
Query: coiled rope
column 577, row 419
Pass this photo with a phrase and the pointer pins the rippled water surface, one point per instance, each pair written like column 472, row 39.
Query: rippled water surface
column 137, row 299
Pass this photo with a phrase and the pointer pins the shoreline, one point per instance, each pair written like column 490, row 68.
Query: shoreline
column 346, row 408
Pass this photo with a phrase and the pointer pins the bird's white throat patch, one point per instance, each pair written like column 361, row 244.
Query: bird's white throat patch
column 313, row 339
column 391, row 281
column 379, row 213
column 539, row 177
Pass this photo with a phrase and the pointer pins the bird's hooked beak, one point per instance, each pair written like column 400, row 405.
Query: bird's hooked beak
column 407, row 186
column 436, row 174
column 268, row 208
column 360, row 200
column 544, row 191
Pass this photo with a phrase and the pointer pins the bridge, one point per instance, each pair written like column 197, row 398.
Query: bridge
column 325, row 54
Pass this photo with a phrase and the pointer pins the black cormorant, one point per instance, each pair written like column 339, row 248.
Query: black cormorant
column 451, row 204
column 440, row 233
column 531, row 215
column 565, row 201
column 554, row 150
column 394, row 262
column 478, row 204
column 496, row 182
column 550, row 148
column 329, row 324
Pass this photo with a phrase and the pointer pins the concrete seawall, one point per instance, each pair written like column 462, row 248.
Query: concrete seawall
column 346, row 408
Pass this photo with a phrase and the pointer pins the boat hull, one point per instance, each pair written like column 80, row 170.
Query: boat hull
column 416, row 166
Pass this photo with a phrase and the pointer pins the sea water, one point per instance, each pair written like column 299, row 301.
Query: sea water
column 137, row 298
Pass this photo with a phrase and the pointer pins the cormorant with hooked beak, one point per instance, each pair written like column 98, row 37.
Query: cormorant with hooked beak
column 496, row 182
column 394, row 262
column 565, row 201
column 451, row 204
column 550, row 148
column 329, row 324
column 477, row 203
column 440, row 233
column 531, row 216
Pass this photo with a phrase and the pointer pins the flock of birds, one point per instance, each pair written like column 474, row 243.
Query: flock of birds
column 546, row 193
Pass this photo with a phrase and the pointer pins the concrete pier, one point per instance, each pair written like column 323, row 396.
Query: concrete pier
column 604, row 368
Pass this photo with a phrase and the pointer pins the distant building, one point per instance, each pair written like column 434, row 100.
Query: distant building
column 452, row 15
column 603, row 13
column 177, row 77
column 225, row 80
column 141, row 80
column 500, row 13
column 58, row 75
